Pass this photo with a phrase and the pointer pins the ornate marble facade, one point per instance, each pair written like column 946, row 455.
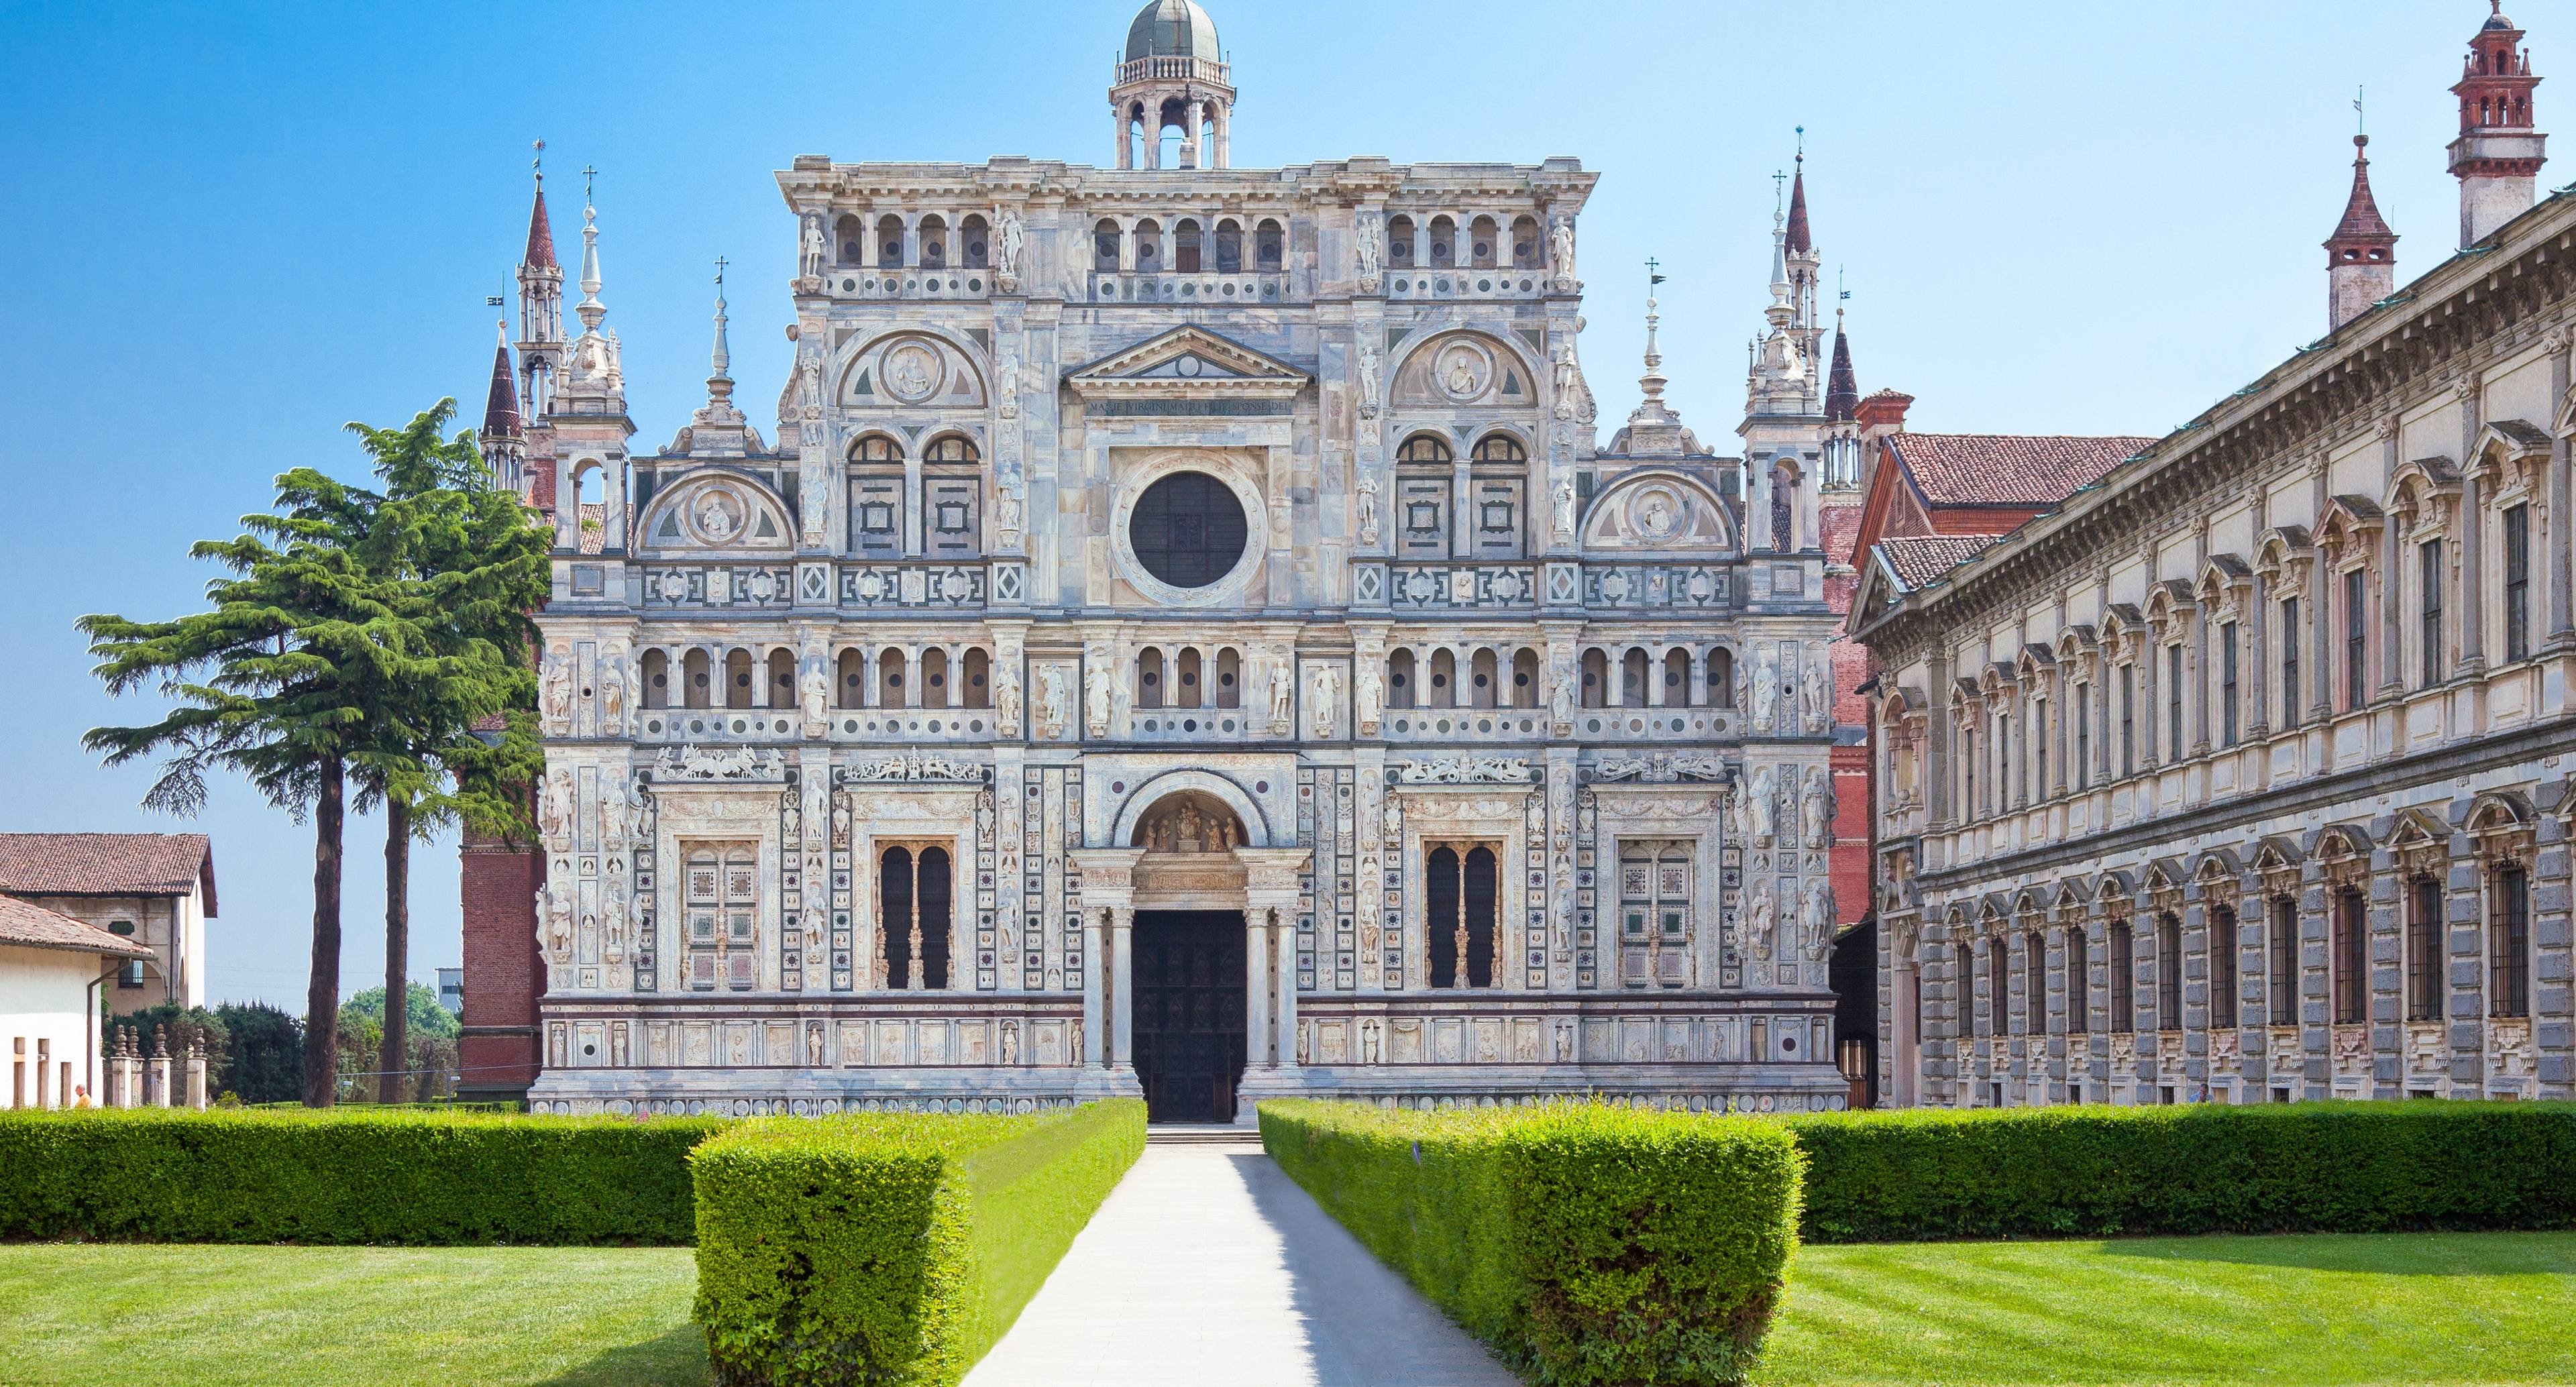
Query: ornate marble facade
column 1151, row 539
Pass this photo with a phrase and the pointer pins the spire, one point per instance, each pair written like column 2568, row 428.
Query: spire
column 501, row 405
column 1653, row 429
column 541, row 232
column 1652, row 382
column 1799, row 242
column 590, row 308
column 1842, row 391
column 2498, row 154
column 720, row 379
column 2361, row 255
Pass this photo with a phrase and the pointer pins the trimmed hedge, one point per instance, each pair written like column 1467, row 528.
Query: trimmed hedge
column 2339, row 1167
column 165, row 1175
column 1585, row 1243
column 894, row 1248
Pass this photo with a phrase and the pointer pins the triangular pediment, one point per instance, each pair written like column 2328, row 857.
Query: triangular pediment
column 1187, row 360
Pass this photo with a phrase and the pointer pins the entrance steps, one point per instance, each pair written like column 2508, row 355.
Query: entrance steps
column 1201, row 1134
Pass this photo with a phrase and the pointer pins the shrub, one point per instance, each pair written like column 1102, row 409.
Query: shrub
column 1586, row 1244
column 265, row 1059
column 240, row 1176
column 894, row 1248
column 2343, row 1167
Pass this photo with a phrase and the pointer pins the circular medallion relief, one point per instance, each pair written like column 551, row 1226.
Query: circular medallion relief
column 911, row 372
column 1657, row 513
column 1462, row 370
column 717, row 514
column 1188, row 530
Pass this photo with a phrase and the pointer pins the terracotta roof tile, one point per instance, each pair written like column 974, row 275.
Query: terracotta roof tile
column 1918, row 560
column 34, row 927
column 1993, row 469
column 594, row 527
column 106, row 864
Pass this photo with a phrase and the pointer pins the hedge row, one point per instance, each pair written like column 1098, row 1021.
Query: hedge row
column 890, row 1249
column 1586, row 1244
column 2342, row 1167
column 344, row 1177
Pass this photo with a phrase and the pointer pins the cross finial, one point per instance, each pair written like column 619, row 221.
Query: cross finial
column 1779, row 180
column 538, row 161
column 588, row 175
column 2360, row 124
column 721, row 262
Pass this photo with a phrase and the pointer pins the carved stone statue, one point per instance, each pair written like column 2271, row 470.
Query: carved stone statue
column 612, row 695
column 554, row 806
column 1766, row 692
column 1099, row 698
column 1323, row 687
column 1010, row 1042
column 1054, row 702
column 816, row 691
column 1816, row 809
column 1816, row 925
column 1006, row 701
column 1761, row 920
column 1367, row 484
column 559, row 695
column 1562, row 377
column 1371, row 691
column 1372, row 1032
column 1766, row 801
column 814, row 1044
column 1283, row 694
column 1561, row 697
column 1007, row 519
column 809, row 260
column 1565, row 510
column 558, row 913
column 1560, row 248
column 1743, row 810
column 1368, row 373
column 1006, row 385
column 612, row 910
column 1820, row 706
column 1012, row 237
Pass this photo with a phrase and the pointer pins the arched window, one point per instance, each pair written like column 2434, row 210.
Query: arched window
column 737, row 678
column 876, row 495
column 1632, row 678
column 656, row 672
column 850, row 684
column 1482, row 685
column 1104, row 244
column 1440, row 689
column 1425, row 449
column 913, row 919
column 1229, row 247
column 721, row 906
column 1525, row 243
column 1499, row 448
column 934, row 242
column 1400, row 686
column 890, row 681
column 850, row 236
column 951, row 448
column 1721, row 677
column 1482, row 238
column 889, row 242
column 934, row 678
column 1677, row 680
column 1525, row 678
column 1229, row 678
column 782, row 679
column 1459, row 901
column 1269, row 247
column 694, row 671
column 1444, row 243
column 1654, row 913
column 1149, row 246
column 975, row 244
column 1596, row 678
column 1185, row 246
column 977, row 688
column 1149, row 678
column 1399, row 243
column 876, row 448
column 2168, row 972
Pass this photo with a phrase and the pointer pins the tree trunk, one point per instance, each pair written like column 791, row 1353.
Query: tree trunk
column 394, row 1057
column 322, row 993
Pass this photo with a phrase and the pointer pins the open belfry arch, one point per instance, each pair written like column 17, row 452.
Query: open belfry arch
column 1183, row 636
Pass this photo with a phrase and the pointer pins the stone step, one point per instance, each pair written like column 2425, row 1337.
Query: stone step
column 1201, row 1134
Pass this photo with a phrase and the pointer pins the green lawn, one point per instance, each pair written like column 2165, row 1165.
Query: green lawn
column 2455, row 1308
column 2429, row 1308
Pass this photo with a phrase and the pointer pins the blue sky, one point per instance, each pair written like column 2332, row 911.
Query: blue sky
column 230, row 229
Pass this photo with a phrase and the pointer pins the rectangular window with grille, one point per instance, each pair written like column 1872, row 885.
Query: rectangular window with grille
column 2079, row 982
column 2227, row 684
column 2083, row 737
column 2356, row 641
column 2034, row 973
column 2517, row 582
column 2039, row 749
column 2222, row 968
column 2508, row 941
column 2423, row 949
column 2124, row 978
column 2289, row 662
column 2281, row 973
column 2174, row 702
column 1999, row 984
column 2429, row 584
column 2351, row 958
column 2168, row 973
column 2128, row 720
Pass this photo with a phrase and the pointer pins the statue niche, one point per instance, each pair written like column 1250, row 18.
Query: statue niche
column 1189, row 823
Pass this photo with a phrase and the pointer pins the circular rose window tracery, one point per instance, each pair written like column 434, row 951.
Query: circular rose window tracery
column 1188, row 530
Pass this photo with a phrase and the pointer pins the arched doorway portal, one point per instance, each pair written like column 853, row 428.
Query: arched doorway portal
column 1190, row 981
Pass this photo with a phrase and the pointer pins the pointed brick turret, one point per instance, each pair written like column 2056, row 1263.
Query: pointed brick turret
column 1799, row 241
column 2498, row 155
column 541, row 234
column 2361, row 255
column 1842, row 390
column 501, row 405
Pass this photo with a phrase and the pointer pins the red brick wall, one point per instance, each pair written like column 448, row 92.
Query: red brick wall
column 503, row 976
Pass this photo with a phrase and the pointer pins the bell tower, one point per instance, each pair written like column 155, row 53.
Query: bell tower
column 2498, row 155
column 1174, row 76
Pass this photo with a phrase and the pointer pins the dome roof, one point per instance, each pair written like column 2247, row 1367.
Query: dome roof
column 1172, row 28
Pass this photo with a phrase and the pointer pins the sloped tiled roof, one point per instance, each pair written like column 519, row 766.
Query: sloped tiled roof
column 1994, row 469
column 106, row 864
column 1920, row 559
column 593, row 535
column 34, row 927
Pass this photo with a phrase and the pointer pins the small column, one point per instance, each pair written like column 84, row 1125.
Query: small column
column 1190, row 136
column 1122, row 1016
column 1093, row 977
column 197, row 1075
column 1284, row 930
column 1256, row 988
column 1118, row 124
column 156, row 1077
